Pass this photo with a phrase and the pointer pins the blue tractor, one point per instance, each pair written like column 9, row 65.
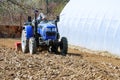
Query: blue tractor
column 42, row 34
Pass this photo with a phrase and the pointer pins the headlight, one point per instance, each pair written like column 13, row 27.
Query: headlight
column 51, row 29
column 48, row 29
column 54, row 29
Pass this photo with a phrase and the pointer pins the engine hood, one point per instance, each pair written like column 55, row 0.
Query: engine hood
column 47, row 25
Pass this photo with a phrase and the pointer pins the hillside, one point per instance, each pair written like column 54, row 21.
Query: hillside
column 15, row 12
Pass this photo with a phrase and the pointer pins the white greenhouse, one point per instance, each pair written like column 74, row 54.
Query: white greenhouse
column 93, row 24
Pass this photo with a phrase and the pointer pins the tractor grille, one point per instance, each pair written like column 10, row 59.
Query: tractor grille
column 50, row 33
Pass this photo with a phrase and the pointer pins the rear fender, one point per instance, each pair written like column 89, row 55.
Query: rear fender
column 29, row 31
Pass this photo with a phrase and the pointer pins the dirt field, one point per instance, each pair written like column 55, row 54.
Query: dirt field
column 77, row 65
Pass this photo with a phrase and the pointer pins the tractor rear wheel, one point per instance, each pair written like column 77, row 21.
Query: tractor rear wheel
column 24, row 42
column 32, row 45
column 63, row 46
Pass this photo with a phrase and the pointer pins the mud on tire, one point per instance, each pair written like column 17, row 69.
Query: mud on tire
column 32, row 45
column 25, row 42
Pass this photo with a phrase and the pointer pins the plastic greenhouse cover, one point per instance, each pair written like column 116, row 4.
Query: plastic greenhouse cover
column 94, row 24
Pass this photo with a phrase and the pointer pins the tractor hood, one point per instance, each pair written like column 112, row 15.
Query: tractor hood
column 47, row 25
column 47, row 30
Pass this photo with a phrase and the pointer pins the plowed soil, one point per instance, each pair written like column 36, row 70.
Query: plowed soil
column 77, row 65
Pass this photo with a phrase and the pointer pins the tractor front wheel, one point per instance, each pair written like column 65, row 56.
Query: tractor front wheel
column 54, row 49
column 32, row 45
column 63, row 46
